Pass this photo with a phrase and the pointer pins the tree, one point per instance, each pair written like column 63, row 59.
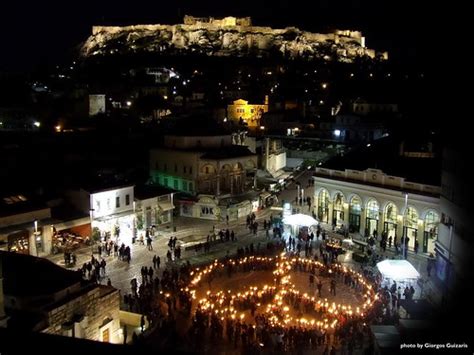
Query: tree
column 95, row 234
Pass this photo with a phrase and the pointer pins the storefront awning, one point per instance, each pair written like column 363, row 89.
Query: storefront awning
column 301, row 220
column 114, row 216
column 166, row 206
column 397, row 270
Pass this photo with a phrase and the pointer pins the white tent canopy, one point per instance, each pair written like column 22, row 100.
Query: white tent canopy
column 397, row 270
column 301, row 220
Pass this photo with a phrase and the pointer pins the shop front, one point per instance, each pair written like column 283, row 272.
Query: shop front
column 118, row 228
column 410, row 226
column 267, row 199
column 431, row 232
column 207, row 208
column 372, row 217
column 390, row 220
column 323, row 206
column 338, row 210
column 19, row 242
column 355, row 211
column 71, row 238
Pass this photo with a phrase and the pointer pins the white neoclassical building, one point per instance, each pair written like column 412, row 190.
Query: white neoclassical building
column 371, row 200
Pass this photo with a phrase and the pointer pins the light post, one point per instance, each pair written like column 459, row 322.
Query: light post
column 172, row 213
column 404, row 230
column 91, row 215
column 134, row 227
column 37, row 236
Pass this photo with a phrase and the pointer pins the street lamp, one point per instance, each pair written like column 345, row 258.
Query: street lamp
column 172, row 212
column 91, row 215
column 298, row 194
column 37, row 236
column 404, row 236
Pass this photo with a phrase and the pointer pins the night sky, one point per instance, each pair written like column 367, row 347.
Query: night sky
column 42, row 32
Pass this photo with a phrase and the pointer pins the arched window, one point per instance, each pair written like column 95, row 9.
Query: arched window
column 373, row 209
column 355, row 206
column 391, row 213
column 411, row 218
column 338, row 202
column 431, row 223
column 323, row 205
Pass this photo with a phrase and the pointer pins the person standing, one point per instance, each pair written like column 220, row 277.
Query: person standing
column 320, row 286
column 429, row 265
column 125, row 334
column 142, row 323
column 333, row 287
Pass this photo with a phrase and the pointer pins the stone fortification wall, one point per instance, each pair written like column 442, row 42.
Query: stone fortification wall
column 223, row 37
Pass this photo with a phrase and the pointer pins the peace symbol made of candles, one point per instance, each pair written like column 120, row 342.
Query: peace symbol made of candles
column 274, row 299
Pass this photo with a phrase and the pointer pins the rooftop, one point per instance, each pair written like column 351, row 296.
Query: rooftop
column 26, row 275
column 227, row 152
column 104, row 185
column 384, row 154
column 143, row 192
column 16, row 203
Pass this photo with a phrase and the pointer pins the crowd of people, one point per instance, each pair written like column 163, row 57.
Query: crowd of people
column 160, row 297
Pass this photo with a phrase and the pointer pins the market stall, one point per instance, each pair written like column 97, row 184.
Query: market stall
column 298, row 225
column 399, row 271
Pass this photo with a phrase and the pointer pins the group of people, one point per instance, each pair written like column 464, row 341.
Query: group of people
column 174, row 250
column 94, row 270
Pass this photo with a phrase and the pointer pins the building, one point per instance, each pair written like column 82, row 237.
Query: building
column 274, row 156
column 370, row 200
column 363, row 107
column 200, row 159
column 96, row 104
column 454, row 245
column 110, row 207
column 43, row 297
column 153, row 206
column 37, row 227
column 250, row 114
column 21, row 225
column 351, row 128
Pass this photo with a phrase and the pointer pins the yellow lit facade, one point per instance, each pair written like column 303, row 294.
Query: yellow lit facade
column 250, row 113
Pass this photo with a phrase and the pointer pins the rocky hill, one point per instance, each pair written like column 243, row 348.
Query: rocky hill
column 226, row 37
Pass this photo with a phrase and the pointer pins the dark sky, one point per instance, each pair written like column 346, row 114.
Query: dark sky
column 36, row 32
